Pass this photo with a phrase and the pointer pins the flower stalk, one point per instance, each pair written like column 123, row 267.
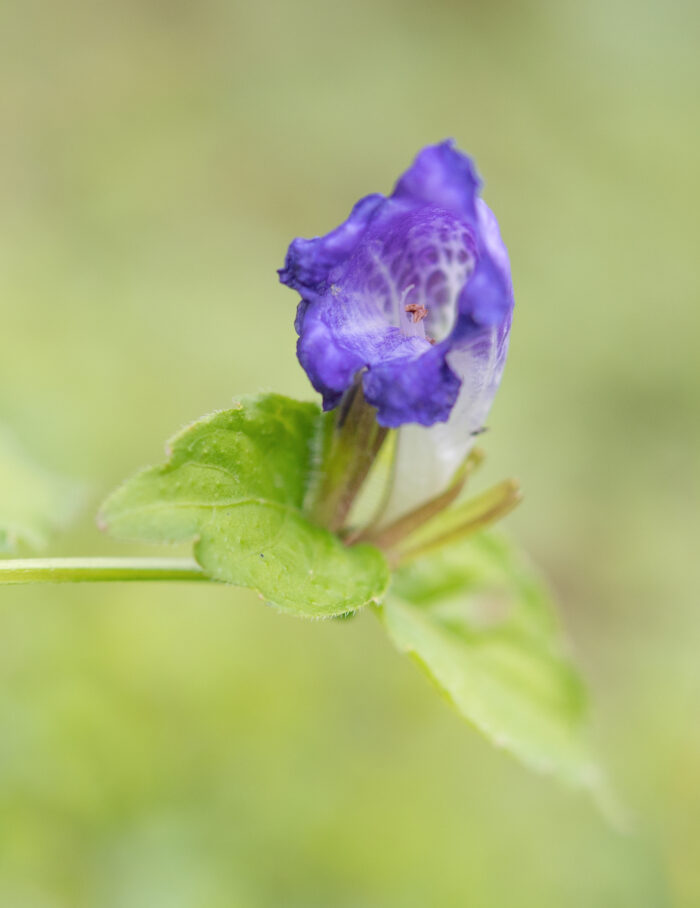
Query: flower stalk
column 351, row 449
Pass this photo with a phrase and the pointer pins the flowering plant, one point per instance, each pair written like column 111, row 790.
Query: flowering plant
column 403, row 323
column 413, row 293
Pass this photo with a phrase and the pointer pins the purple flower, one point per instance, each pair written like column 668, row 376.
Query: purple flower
column 413, row 292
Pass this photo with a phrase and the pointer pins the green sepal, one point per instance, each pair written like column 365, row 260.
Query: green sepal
column 235, row 484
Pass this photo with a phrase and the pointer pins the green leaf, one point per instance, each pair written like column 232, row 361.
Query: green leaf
column 34, row 502
column 478, row 619
column 235, row 484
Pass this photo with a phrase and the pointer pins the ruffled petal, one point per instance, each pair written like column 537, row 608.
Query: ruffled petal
column 330, row 366
column 422, row 390
column 487, row 297
column 443, row 177
column 309, row 263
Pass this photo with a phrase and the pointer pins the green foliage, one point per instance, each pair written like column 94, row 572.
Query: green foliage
column 34, row 502
column 235, row 484
column 479, row 621
column 474, row 615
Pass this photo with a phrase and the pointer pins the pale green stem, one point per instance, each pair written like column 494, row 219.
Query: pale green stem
column 89, row 570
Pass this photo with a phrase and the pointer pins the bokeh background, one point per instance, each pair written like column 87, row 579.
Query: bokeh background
column 181, row 746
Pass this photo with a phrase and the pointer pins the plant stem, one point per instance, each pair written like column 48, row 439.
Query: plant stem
column 89, row 570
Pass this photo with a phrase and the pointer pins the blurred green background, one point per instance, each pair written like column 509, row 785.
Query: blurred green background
column 180, row 747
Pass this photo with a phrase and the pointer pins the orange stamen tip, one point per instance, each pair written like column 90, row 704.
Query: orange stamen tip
column 417, row 311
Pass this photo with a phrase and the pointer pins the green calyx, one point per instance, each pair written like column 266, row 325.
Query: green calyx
column 352, row 444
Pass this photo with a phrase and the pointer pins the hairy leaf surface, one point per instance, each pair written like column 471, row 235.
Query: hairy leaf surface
column 235, row 484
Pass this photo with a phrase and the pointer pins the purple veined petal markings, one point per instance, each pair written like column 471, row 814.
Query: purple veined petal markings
column 413, row 292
